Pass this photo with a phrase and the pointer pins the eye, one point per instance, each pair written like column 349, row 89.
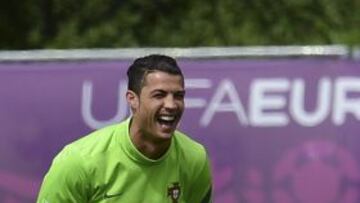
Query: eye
column 179, row 95
column 158, row 95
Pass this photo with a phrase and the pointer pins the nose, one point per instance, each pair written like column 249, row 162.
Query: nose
column 170, row 103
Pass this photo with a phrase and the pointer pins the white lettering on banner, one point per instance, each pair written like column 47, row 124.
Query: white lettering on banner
column 225, row 89
column 86, row 103
column 198, row 83
column 297, row 106
column 261, row 100
column 273, row 102
column 343, row 104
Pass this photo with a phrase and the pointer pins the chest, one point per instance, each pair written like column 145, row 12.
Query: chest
column 163, row 182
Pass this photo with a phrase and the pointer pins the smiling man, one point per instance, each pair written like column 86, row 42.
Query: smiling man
column 141, row 160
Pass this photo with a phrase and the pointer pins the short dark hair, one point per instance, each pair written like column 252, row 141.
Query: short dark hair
column 145, row 65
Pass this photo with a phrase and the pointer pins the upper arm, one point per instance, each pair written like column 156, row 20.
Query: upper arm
column 65, row 181
column 202, row 185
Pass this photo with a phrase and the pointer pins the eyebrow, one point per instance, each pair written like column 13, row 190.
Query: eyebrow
column 164, row 91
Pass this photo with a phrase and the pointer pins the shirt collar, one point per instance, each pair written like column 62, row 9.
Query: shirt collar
column 131, row 151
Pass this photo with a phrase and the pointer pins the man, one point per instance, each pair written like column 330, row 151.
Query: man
column 141, row 160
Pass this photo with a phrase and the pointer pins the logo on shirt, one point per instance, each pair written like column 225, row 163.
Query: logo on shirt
column 174, row 192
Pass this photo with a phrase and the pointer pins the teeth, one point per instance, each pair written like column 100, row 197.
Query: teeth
column 167, row 118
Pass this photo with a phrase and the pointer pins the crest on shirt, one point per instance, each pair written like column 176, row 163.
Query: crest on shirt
column 174, row 192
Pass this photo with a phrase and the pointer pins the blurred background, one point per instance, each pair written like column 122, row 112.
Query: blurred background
column 273, row 88
column 39, row 24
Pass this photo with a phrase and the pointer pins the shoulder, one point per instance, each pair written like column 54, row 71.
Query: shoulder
column 96, row 143
column 195, row 165
column 72, row 171
column 190, row 149
column 184, row 139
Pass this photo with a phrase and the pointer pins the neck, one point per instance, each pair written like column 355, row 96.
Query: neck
column 153, row 149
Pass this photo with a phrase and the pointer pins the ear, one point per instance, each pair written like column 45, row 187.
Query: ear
column 132, row 99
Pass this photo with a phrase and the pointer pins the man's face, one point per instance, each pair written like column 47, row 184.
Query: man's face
column 160, row 105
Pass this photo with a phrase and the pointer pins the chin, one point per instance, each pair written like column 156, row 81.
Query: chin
column 164, row 132
column 165, row 136
column 161, row 135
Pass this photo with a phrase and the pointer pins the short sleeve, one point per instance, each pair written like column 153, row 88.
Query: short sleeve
column 65, row 181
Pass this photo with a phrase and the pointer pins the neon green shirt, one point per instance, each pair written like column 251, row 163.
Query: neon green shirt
column 106, row 167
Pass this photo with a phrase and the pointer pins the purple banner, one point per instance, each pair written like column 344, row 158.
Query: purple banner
column 277, row 130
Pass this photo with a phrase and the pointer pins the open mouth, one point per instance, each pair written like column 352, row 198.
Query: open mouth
column 167, row 120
